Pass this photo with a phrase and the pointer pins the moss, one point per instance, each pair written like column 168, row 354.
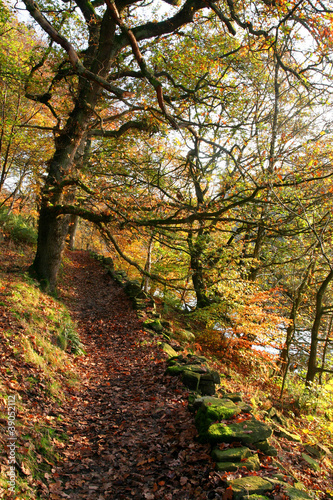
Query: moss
column 210, row 413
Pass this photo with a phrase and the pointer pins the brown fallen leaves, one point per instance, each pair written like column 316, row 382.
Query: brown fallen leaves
column 130, row 433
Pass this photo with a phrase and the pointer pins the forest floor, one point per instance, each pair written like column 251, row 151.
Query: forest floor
column 129, row 431
column 131, row 435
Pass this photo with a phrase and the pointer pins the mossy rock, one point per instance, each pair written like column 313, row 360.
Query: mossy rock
column 318, row 450
column 267, row 448
column 312, row 463
column 250, row 485
column 251, row 464
column 234, row 396
column 281, row 432
column 206, row 401
column 292, row 492
column 257, row 497
column 231, row 454
column 168, row 350
column 244, row 407
column 209, row 413
column 248, row 432
column 185, row 335
column 154, row 325
column 176, row 369
column 191, row 380
column 296, row 494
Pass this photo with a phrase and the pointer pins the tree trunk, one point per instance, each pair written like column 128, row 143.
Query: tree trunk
column 73, row 226
column 312, row 363
column 52, row 228
column 196, row 253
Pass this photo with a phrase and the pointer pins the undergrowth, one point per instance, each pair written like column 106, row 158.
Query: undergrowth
column 38, row 340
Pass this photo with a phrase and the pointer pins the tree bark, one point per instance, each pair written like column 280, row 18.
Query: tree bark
column 312, row 363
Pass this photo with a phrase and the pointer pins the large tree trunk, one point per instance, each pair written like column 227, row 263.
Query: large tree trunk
column 53, row 228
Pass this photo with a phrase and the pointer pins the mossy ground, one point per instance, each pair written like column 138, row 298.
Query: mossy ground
column 38, row 341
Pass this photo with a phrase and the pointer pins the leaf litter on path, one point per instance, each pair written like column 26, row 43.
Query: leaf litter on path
column 131, row 435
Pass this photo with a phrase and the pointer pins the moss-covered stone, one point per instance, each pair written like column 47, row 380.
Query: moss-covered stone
column 184, row 335
column 296, row 494
column 168, row 350
column 177, row 369
column 250, row 485
column 234, row 396
column 257, row 497
column 209, row 413
column 248, row 432
column 312, row 463
column 267, row 448
column 191, row 380
column 231, row 454
column 155, row 325
column 251, row 464
column 282, row 432
column 292, row 492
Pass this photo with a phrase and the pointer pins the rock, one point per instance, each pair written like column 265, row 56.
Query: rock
column 318, row 450
column 177, row 369
column 109, row 262
column 231, row 454
column 275, row 415
column 245, row 408
column 248, row 432
column 235, row 396
column 168, row 350
column 295, row 493
column 281, row 432
column 153, row 325
column 251, row 464
column 207, row 400
column 207, row 383
column 257, row 497
column 250, row 485
column 185, row 335
column 191, row 380
column 312, row 463
column 208, row 413
column 266, row 448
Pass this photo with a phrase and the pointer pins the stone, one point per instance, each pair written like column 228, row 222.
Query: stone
column 235, row 396
column 244, row 407
column 231, row 454
column 312, row 463
column 266, row 448
column 191, row 380
column 292, row 492
column 257, row 497
column 247, row 432
column 251, row 464
column 207, row 401
column 208, row 413
column 207, row 387
column 153, row 325
column 296, row 494
column 281, row 432
column 318, row 450
column 168, row 350
column 250, row 485
column 185, row 335
column 177, row 369
column 275, row 415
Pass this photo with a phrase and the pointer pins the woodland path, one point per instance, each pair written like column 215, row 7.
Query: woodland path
column 131, row 434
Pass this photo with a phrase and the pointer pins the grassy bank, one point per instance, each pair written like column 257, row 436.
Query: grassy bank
column 38, row 342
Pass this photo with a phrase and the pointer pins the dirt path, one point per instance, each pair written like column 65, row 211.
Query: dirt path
column 131, row 435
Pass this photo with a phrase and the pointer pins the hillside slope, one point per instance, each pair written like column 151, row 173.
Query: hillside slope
column 107, row 424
